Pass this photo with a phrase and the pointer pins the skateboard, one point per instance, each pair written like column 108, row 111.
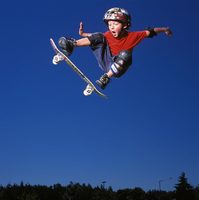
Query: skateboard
column 90, row 88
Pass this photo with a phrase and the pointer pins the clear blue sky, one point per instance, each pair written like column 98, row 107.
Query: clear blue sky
column 148, row 129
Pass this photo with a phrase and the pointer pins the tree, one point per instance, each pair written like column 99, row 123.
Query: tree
column 184, row 191
column 196, row 191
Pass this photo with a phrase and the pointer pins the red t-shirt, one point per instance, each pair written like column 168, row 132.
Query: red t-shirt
column 127, row 42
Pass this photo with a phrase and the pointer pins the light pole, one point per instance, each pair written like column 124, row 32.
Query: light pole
column 160, row 182
column 103, row 184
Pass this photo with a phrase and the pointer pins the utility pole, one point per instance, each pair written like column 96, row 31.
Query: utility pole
column 160, row 182
column 103, row 184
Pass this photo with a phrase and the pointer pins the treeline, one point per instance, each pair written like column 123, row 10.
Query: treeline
column 75, row 191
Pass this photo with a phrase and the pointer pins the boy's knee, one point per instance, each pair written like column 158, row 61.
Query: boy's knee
column 126, row 56
column 96, row 39
column 67, row 44
column 122, row 63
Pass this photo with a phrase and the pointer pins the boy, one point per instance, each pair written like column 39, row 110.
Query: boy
column 112, row 49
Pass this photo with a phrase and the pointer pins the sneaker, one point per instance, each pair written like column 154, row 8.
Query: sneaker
column 57, row 58
column 103, row 81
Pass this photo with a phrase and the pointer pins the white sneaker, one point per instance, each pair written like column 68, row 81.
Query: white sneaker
column 89, row 90
column 57, row 58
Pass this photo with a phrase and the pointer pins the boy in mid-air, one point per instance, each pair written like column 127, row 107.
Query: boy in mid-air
column 112, row 49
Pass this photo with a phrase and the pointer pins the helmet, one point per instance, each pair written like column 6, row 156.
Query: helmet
column 118, row 14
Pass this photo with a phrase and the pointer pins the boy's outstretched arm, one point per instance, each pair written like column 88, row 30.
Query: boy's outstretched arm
column 81, row 30
column 157, row 30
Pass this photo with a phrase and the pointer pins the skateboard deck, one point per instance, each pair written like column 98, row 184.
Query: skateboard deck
column 92, row 87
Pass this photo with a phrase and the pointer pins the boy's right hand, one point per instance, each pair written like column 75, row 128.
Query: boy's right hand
column 81, row 29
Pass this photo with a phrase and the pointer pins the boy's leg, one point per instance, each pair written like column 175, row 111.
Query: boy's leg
column 102, row 53
column 67, row 45
column 98, row 44
column 121, row 63
column 117, row 69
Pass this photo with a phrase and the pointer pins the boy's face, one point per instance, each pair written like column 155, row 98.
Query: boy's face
column 115, row 28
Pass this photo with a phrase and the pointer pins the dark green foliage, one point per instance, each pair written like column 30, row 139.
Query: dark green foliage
column 76, row 191
column 184, row 191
